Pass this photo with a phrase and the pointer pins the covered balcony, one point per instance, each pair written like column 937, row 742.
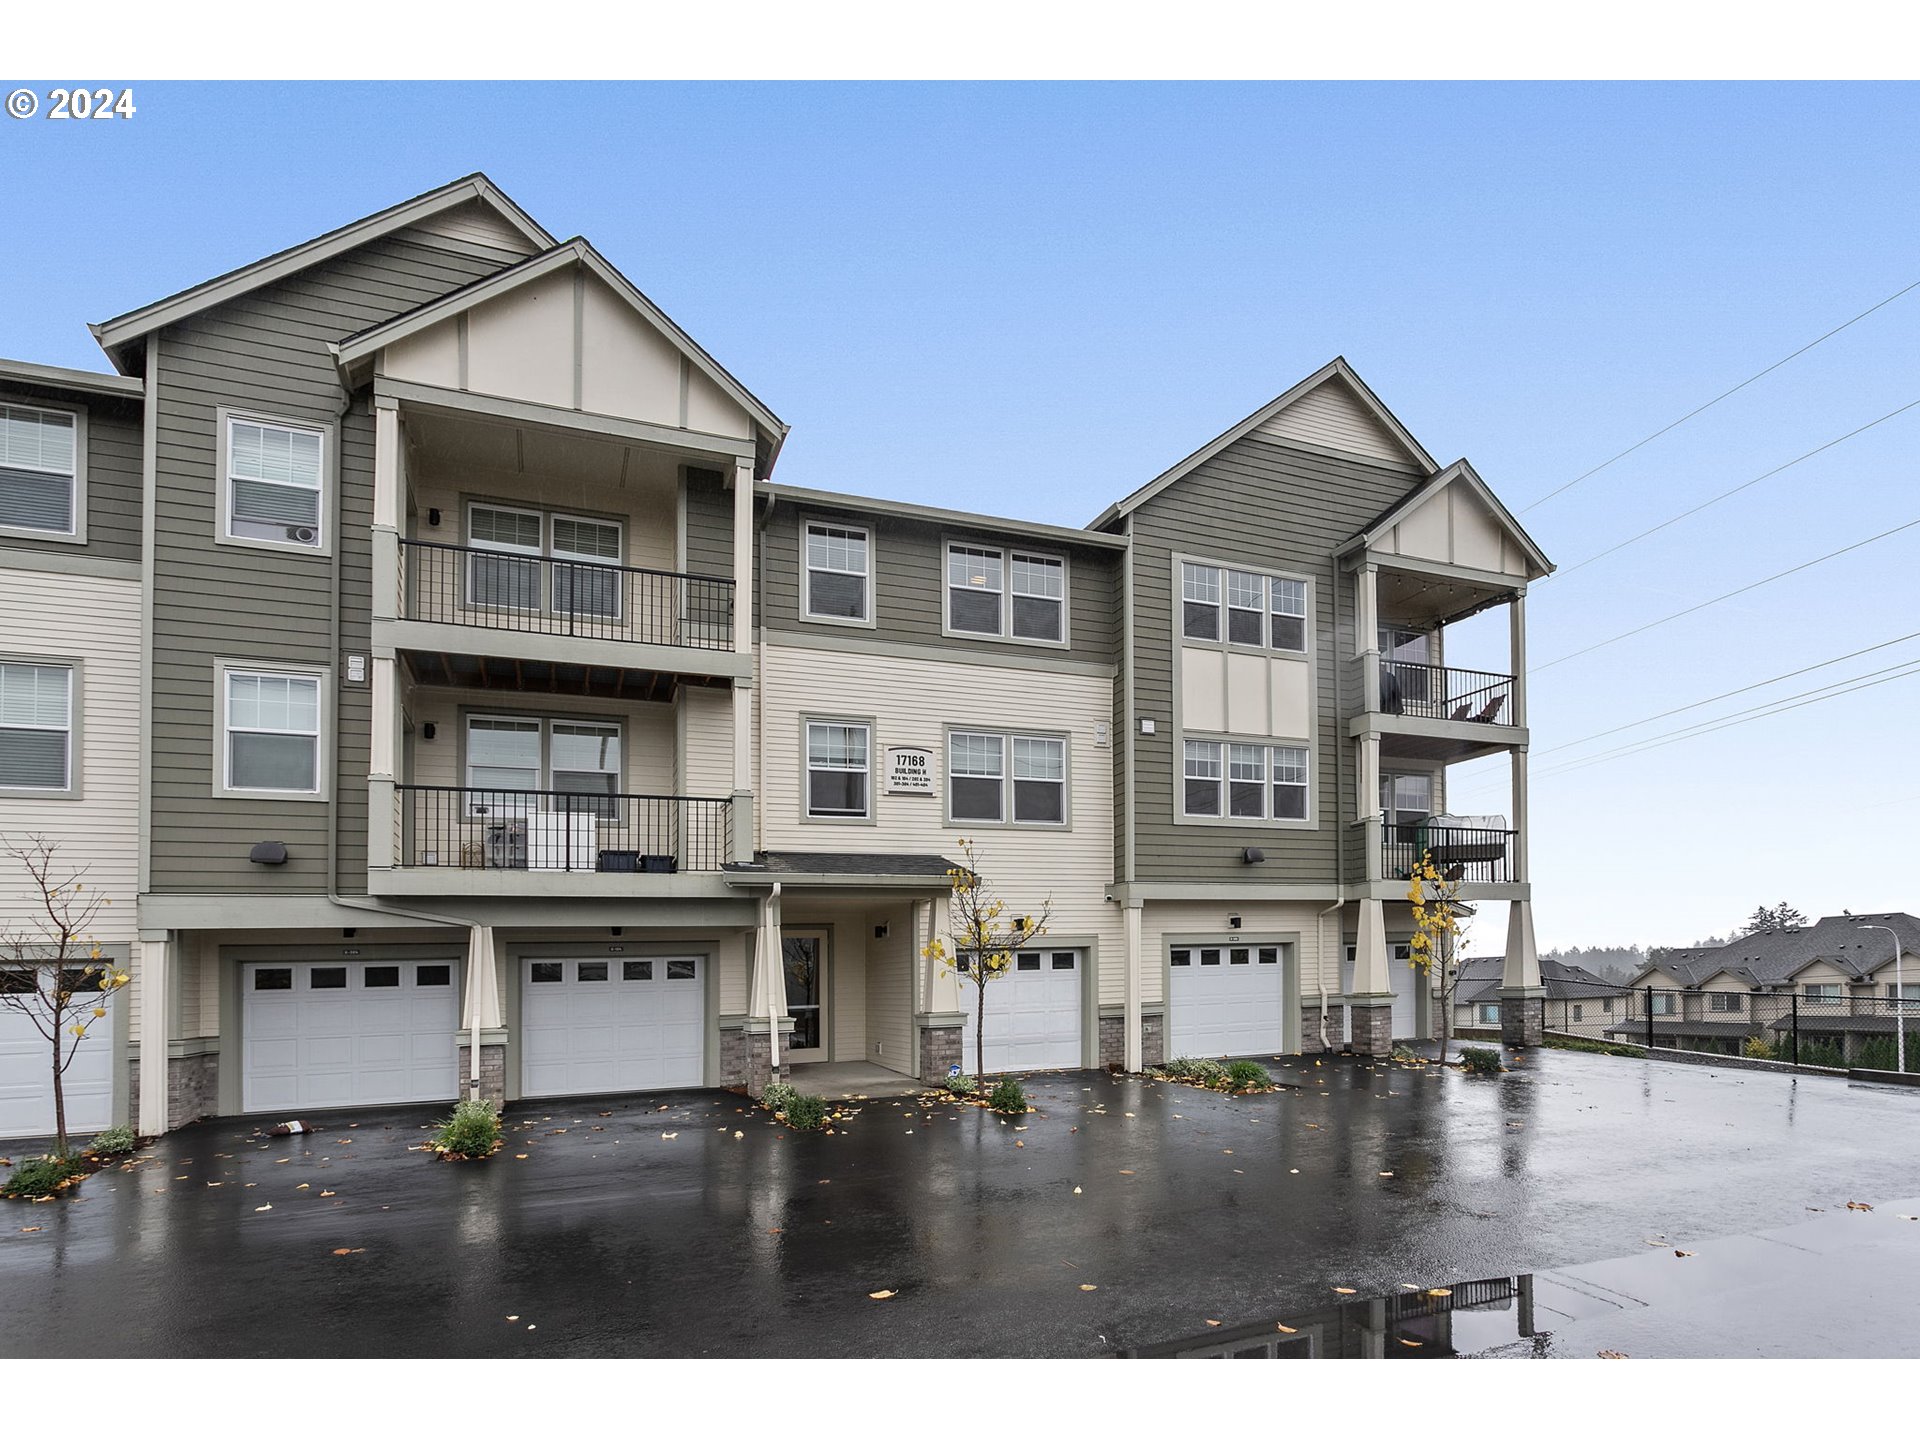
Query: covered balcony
column 560, row 831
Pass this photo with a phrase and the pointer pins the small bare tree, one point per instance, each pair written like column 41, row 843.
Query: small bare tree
column 984, row 941
column 54, row 973
column 1439, row 937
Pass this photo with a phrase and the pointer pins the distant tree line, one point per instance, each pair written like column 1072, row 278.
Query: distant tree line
column 1622, row 962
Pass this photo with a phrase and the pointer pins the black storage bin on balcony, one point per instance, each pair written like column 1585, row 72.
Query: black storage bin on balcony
column 658, row 865
column 625, row 862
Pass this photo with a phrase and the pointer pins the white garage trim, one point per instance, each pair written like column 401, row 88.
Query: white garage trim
column 1405, row 980
column 1232, row 994
column 1036, row 1013
column 337, row 1032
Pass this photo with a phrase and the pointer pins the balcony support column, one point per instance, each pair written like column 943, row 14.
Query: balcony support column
column 1517, row 648
column 1517, row 760
column 1522, row 994
column 1366, row 633
column 389, row 484
column 1371, row 1000
column 743, row 555
column 156, row 980
column 743, row 738
column 1366, row 777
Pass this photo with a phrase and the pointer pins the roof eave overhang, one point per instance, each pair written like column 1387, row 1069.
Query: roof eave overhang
column 1458, row 471
column 124, row 335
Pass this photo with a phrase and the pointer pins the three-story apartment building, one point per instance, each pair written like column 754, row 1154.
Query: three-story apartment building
column 501, row 723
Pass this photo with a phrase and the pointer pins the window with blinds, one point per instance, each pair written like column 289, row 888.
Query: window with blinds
column 39, row 470
column 274, row 483
column 36, row 726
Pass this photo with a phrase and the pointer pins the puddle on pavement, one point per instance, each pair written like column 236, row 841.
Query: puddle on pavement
column 1475, row 1318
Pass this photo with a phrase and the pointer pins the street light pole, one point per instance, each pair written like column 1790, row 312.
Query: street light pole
column 1900, row 995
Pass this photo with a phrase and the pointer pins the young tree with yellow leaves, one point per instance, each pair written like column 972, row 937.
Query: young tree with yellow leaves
column 1438, row 936
column 984, row 941
column 51, row 969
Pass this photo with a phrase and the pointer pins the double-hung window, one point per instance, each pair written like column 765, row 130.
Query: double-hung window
column 996, row 778
column 1243, row 781
column 272, row 732
column 1008, row 594
column 1242, row 607
column 274, row 482
column 1909, row 1001
column 1822, row 996
column 1490, row 1014
column 39, row 470
column 839, row 573
column 517, row 764
column 36, row 726
column 1665, row 1004
column 839, row 770
column 1723, row 1002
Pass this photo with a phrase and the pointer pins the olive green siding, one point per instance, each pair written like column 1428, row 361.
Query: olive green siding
column 266, row 352
column 709, row 524
column 909, row 586
column 1262, row 505
column 113, row 473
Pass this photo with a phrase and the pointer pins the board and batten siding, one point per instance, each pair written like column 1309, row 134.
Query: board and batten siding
column 909, row 584
column 112, row 473
column 913, row 702
column 1268, row 507
column 96, row 621
column 266, row 352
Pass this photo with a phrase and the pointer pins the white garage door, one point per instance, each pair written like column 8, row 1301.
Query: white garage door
column 1226, row 1000
column 1405, row 980
column 591, row 1027
column 1033, row 1014
column 26, row 1079
column 320, row 1033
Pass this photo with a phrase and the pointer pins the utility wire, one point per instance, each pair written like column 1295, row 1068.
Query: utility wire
column 1744, row 589
column 1565, row 570
column 1766, row 707
column 1725, row 394
column 1729, row 694
column 1694, row 731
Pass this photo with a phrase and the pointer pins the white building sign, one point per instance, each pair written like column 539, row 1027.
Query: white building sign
column 909, row 770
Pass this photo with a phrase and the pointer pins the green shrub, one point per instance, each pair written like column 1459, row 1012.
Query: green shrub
column 1404, row 1052
column 778, row 1096
column 1247, row 1075
column 1757, row 1048
column 806, row 1112
column 119, row 1140
column 1009, row 1097
column 1589, row 1047
column 33, row 1179
column 1199, row 1072
column 472, row 1131
column 962, row 1084
column 1478, row 1060
column 1879, row 1053
column 1818, row 1052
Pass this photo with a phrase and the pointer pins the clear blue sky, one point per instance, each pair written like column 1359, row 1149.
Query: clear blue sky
column 1030, row 299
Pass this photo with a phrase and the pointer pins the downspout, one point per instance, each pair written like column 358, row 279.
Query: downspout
column 773, row 1024
column 1320, row 944
column 352, row 902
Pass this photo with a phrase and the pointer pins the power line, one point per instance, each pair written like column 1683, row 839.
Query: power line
column 1729, row 494
column 1755, row 712
column 1701, row 409
column 1731, row 594
column 1729, row 694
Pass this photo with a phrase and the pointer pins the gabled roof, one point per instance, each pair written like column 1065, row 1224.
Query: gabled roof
column 1460, row 472
column 1775, row 957
column 1480, row 979
column 1335, row 369
column 353, row 353
column 120, row 335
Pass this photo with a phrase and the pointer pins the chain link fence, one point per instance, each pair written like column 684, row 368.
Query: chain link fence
column 1813, row 1025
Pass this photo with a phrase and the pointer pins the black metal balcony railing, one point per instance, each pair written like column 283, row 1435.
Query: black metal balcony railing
column 1480, row 857
column 456, row 827
column 500, row 590
column 1434, row 692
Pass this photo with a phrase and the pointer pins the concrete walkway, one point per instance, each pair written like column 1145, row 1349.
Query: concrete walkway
column 849, row 1078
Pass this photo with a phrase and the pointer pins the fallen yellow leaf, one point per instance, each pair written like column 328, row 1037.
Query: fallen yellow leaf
column 1213, row 1322
column 1089, row 1287
column 1410, row 1344
column 1286, row 1329
column 1345, row 1290
column 882, row 1294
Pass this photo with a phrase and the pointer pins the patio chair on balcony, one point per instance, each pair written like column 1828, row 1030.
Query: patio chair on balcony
column 1489, row 713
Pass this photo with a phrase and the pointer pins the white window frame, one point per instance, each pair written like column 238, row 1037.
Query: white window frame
column 1007, row 556
column 807, row 724
column 225, row 420
column 544, row 767
column 223, row 785
column 1485, row 1017
column 1195, row 576
column 76, row 531
column 1190, row 756
column 1222, row 748
column 70, row 789
column 534, row 556
column 1825, row 994
column 546, row 557
column 807, row 526
column 1009, row 775
column 1725, row 1002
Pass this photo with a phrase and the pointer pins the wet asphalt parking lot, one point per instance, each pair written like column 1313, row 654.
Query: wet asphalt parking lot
column 1123, row 1213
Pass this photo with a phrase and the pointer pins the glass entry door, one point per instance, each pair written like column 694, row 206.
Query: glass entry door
column 803, row 957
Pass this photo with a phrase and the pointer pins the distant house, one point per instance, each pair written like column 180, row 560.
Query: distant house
column 1578, row 1001
column 1835, row 976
